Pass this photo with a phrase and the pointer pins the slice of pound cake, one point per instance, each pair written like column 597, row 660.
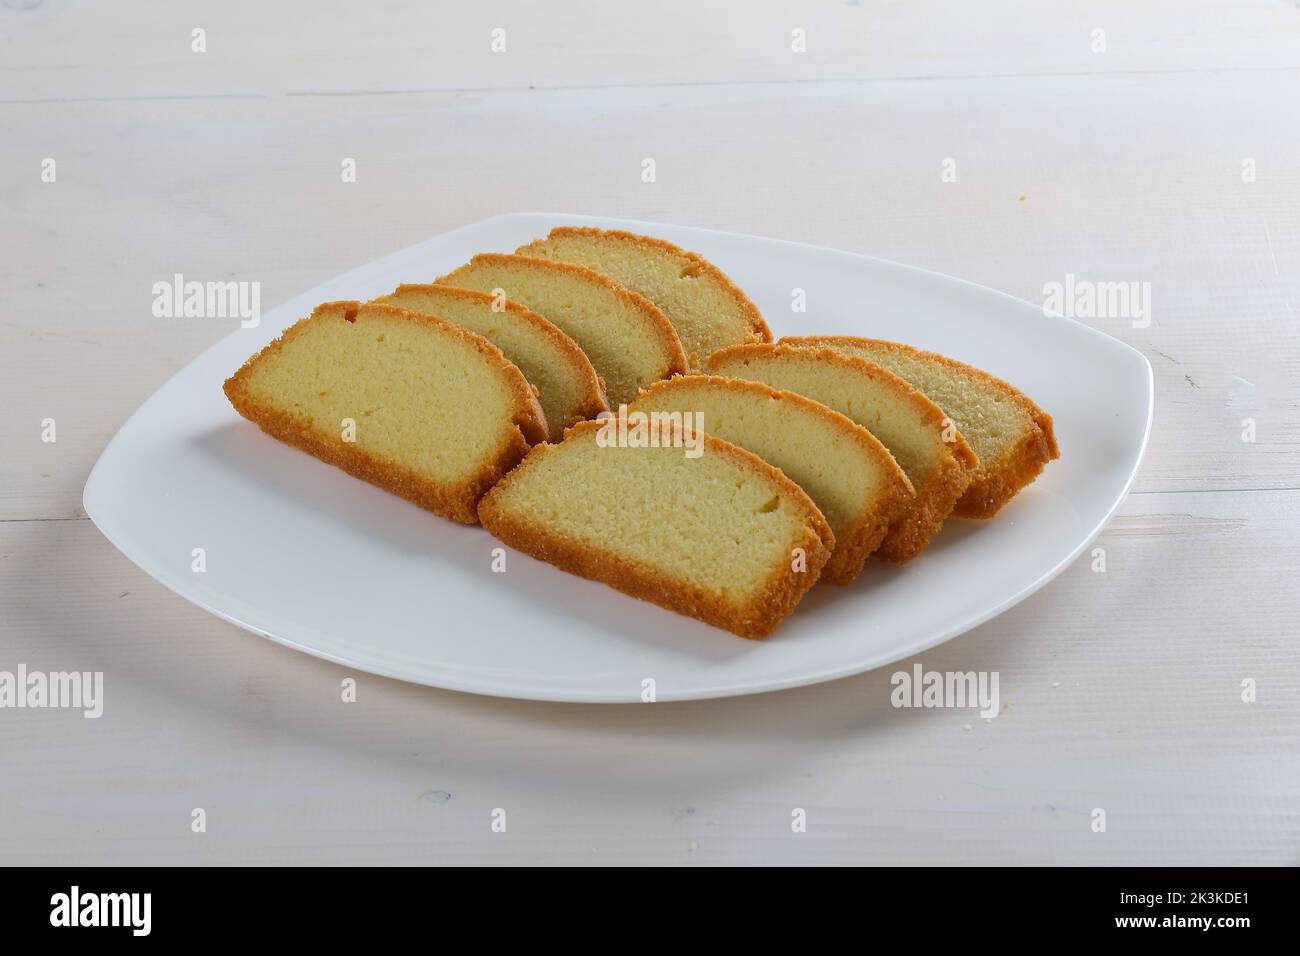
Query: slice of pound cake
column 567, row 385
column 628, row 340
column 707, row 309
column 1012, row 436
column 409, row 402
column 846, row 471
column 924, row 442
column 714, row 532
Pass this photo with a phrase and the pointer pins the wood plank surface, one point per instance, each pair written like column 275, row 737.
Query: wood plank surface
column 1124, row 687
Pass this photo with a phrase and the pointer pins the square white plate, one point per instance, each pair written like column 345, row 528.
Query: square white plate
column 305, row 555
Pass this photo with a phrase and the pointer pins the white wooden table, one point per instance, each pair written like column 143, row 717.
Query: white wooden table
column 1122, row 164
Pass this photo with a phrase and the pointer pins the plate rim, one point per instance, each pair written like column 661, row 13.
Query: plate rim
column 504, row 688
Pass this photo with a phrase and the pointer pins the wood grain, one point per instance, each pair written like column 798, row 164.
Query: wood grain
column 1121, row 691
column 85, row 50
column 1124, row 687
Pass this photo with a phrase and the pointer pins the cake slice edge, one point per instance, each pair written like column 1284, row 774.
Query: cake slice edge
column 457, row 502
column 995, row 483
column 757, row 619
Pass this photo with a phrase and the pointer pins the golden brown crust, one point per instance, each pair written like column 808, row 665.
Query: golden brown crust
column 755, row 620
column 919, row 519
column 592, row 401
column 995, row 482
column 656, row 321
column 868, row 531
column 922, row 518
column 994, row 487
column 753, row 317
column 455, row 501
column 868, row 535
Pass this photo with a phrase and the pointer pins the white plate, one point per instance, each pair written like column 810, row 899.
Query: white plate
column 307, row 556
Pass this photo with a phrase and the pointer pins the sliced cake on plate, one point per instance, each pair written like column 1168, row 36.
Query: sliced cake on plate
column 567, row 386
column 924, row 441
column 846, row 471
column 721, row 536
column 412, row 403
column 1012, row 436
column 707, row 309
column 629, row 341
